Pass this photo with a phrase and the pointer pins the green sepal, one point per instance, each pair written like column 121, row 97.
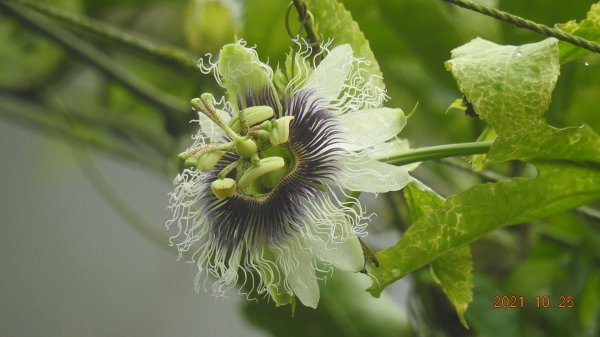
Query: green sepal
column 242, row 73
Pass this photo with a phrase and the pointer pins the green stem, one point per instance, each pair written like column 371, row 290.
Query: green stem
column 438, row 152
column 223, row 174
column 174, row 110
column 486, row 175
column 527, row 24
column 305, row 19
column 55, row 123
column 170, row 54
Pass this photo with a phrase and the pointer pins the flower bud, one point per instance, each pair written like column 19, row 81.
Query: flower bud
column 223, row 188
column 263, row 167
column 280, row 133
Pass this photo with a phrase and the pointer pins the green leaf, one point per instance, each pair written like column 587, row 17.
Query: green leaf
column 588, row 28
column 453, row 271
column 510, row 88
column 467, row 216
column 584, row 99
column 208, row 25
column 345, row 310
column 264, row 26
column 429, row 29
column 488, row 323
column 588, row 308
column 332, row 20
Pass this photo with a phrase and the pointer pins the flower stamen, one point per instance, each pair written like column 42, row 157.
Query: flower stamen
column 204, row 104
column 250, row 117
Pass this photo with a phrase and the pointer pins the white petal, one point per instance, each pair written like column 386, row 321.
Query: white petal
column 346, row 255
column 365, row 128
column 210, row 129
column 361, row 173
column 336, row 243
column 328, row 78
column 272, row 276
column 389, row 149
column 303, row 282
column 230, row 272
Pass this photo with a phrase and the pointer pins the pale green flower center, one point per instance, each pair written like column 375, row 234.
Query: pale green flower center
column 260, row 142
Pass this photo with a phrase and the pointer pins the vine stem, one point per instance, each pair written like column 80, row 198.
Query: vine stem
column 174, row 110
column 438, row 152
column 428, row 153
column 528, row 24
column 168, row 53
column 306, row 23
column 54, row 123
column 303, row 13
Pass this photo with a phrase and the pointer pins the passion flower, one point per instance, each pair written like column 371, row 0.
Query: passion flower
column 262, row 204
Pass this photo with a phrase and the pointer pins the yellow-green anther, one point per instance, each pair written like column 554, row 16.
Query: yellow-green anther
column 254, row 115
column 259, row 169
column 223, row 188
column 191, row 161
column 204, row 160
column 197, row 151
column 280, row 132
column 185, row 155
column 207, row 161
column 193, row 152
column 246, row 147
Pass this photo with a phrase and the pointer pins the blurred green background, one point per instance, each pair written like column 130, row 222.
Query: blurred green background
column 83, row 251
